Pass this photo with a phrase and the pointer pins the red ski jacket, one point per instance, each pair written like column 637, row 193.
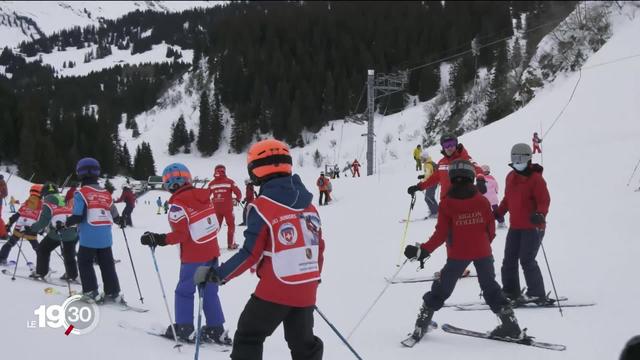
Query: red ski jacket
column 183, row 203
column 441, row 176
column 128, row 197
column 249, row 194
column 222, row 190
column 524, row 194
column 468, row 227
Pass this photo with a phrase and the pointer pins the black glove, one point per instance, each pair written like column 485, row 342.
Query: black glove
column 537, row 218
column 412, row 189
column 26, row 229
column 153, row 239
column 60, row 226
column 8, row 228
column 420, row 177
column 120, row 221
column 481, row 185
column 415, row 252
column 244, row 201
column 206, row 274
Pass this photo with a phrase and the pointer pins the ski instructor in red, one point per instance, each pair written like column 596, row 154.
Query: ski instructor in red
column 284, row 239
column 223, row 190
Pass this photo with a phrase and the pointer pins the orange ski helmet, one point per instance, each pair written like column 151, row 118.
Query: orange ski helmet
column 267, row 159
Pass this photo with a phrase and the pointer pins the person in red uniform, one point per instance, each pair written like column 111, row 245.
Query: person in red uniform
column 68, row 197
column 195, row 228
column 324, row 185
column 129, row 199
column 356, row 168
column 249, row 196
column 224, row 195
column 26, row 216
column 527, row 200
column 451, row 150
column 536, row 143
column 284, row 239
column 467, row 225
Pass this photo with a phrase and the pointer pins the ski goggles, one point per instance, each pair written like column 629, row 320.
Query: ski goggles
column 448, row 144
column 520, row 158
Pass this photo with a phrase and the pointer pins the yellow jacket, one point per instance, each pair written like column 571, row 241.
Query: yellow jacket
column 416, row 153
column 428, row 167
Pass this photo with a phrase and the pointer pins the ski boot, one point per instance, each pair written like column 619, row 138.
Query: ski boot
column 509, row 327
column 35, row 276
column 184, row 332
column 66, row 277
column 115, row 298
column 92, row 297
column 538, row 300
column 215, row 334
column 422, row 322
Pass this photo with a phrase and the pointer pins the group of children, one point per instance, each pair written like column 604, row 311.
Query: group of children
column 466, row 219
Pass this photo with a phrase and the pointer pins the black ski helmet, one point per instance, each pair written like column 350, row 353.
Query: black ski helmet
column 462, row 169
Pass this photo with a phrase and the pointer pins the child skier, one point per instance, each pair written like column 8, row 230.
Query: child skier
column 94, row 213
column 487, row 183
column 52, row 218
column 536, row 141
column 194, row 226
column 527, row 200
column 26, row 216
column 159, row 204
column 249, row 196
column 284, row 239
column 224, row 196
column 467, row 225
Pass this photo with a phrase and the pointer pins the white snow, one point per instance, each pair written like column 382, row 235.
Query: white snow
column 591, row 242
column 52, row 16
column 56, row 59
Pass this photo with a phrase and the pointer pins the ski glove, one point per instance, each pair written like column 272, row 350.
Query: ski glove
column 413, row 252
column 537, row 219
column 206, row 274
column 420, row 177
column 481, row 185
column 60, row 226
column 121, row 222
column 412, row 189
column 26, row 229
column 153, row 239
column 8, row 228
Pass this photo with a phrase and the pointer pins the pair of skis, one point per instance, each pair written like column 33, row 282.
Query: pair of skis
column 159, row 331
column 411, row 340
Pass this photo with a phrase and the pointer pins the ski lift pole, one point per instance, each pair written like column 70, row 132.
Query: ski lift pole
column 406, row 227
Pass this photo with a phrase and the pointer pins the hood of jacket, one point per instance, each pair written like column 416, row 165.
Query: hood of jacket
column 288, row 191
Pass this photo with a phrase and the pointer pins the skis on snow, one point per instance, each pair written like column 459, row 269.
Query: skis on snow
column 416, row 336
column 524, row 305
column 525, row 340
column 417, row 279
column 159, row 331
column 48, row 281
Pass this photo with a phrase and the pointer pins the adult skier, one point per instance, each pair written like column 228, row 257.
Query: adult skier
column 417, row 152
column 52, row 218
column 25, row 217
column 159, row 204
column 195, row 228
column 284, row 239
column 94, row 213
column 249, row 196
column 430, row 193
column 355, row 165
column 323, row 184
column 527, row 200
column 224, row 195
column 487, row 182
column 466, row 224
column 536, row 141
column 451, row 150
column 129, row 198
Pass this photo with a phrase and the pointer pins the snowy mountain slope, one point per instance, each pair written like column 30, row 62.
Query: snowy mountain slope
column 28, row 20
column 591, row 242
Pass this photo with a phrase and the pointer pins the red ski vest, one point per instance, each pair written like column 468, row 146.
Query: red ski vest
column 295, row 238
column 28, row 216
column 59, row 213
column 99, row 204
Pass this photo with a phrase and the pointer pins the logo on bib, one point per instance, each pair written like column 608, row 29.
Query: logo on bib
column 287, row 234
column 309, row 253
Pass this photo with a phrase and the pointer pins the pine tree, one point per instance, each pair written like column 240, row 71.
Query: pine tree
column 179, row 136
column 216, row 124
column 143, row 163
column 204, row 143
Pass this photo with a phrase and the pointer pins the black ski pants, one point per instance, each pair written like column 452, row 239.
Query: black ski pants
column 324, row 194
column 442, row 288
column 126, row 214
column 47, row 245
column 13, row 240
column 107, row 268
column 522, row 245
column 260, row 319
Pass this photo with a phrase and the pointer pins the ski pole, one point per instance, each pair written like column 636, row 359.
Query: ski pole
column 376, row 300
column 64, row 263
column 26, row 260
column 551, row 276
column 634, row 172
column 200, row 307
column 164, row 297
column 337, row 332
column 132, row 265
column 406, row 227
column 13, row 277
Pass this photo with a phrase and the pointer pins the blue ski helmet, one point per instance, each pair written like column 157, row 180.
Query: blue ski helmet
column 88, row 167
column 175, row 176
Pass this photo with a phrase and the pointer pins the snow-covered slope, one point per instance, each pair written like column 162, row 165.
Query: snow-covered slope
column 28, row 20
column 591, row 242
